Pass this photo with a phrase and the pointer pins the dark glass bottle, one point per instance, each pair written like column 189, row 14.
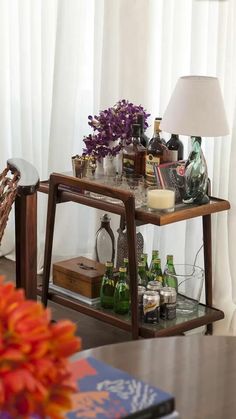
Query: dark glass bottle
column 143, row 137
column 134, row 155
column 155, row 153
column 175, row 147
column 122, row 294
column 107, row 287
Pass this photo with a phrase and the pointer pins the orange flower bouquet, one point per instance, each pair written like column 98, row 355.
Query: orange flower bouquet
column 35, row 376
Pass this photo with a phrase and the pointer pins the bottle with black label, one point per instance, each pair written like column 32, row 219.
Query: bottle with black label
column 155, row 153
column 143, row 137
column 134, row 155
column 175, row 148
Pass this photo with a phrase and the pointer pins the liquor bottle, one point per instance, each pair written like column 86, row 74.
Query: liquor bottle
column 170, row 279
column 107, row 287
column 105, row 241
column 155, row 153
column 143, row 137
column 122, row 294
column 155, row 255
column 156, row 272
column 175, row 147
column 134, row 155
column 142, row 277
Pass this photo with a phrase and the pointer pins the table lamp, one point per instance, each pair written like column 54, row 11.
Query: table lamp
column 196, row 109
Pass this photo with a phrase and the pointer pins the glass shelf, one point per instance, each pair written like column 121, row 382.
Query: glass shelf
column 182, row 323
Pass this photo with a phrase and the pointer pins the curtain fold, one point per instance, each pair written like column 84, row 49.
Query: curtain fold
column 64, row 60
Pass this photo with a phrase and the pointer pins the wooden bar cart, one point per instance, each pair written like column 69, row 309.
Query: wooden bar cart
column 63, row 188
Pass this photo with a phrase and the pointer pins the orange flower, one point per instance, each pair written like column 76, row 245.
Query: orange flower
column 35, row 374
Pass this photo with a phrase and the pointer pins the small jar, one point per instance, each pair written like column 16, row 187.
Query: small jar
column 168, row 299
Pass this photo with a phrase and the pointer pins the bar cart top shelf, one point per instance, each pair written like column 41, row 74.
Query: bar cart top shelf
column 142, row 215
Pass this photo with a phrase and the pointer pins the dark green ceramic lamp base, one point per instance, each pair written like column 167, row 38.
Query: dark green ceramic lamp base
column 196, row 175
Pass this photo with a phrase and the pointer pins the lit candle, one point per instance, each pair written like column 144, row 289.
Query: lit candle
column 161, row 199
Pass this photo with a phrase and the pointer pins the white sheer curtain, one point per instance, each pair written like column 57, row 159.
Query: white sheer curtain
column 63, row 60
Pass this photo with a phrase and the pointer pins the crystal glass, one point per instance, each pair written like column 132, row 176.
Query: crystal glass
column 135, row 184
column 190, row 282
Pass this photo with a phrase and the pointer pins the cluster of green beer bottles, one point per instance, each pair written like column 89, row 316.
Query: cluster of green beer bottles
column 154, row 273
column 115, row 296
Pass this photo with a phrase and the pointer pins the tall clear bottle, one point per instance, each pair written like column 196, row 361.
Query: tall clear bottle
column 134, row 155
column 143, row 137
column 122, row 293
column 155, row 153
column 108, row 287
column 170, row 279
column 175, row 147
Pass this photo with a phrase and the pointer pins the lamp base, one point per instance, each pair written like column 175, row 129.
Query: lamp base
column 196, row 176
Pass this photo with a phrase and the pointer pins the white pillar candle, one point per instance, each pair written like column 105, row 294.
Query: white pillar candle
column 160, row 198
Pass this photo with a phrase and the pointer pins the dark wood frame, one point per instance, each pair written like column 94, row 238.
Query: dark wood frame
column 63, row 188
column 26, row 226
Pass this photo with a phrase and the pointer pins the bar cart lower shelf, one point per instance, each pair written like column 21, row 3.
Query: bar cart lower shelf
column 203, row 316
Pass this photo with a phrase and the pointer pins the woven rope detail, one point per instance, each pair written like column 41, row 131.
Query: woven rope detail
column 8, row 189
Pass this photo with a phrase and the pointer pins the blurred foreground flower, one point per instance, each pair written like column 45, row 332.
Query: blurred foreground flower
column 35, row 376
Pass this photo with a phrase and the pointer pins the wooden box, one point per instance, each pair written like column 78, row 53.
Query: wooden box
column 79, row 275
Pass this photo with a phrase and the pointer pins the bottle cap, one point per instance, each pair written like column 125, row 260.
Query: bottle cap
column 122, row 269
column 109, row 264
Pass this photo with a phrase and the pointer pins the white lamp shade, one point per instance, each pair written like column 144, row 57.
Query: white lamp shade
column 196, row 108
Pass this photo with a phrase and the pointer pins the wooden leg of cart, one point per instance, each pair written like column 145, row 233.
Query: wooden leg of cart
column 26, row 243
column 206, row 223
column 132, row 254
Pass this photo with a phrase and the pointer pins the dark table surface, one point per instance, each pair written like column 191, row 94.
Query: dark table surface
column 200, row 371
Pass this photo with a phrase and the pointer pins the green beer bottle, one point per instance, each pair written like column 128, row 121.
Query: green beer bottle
column 122, row 294
column 144, row 258
column 155, row 255
column 108, row 287
column 126, row 265
column 156, row 272
column 142, row 277
column 170, row 279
